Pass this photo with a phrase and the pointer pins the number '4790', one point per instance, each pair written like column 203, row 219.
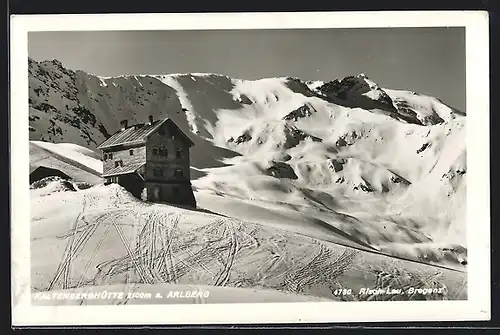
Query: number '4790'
column 342, row 291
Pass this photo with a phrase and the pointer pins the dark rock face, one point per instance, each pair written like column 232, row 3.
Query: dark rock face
column 281, row 170
column 347, row 139
column 294, row 136
column 56, row 106
column 245, row 137
column 245, row 100
column 337, row 164
column 407, row 114
column 424, row 146
column 83, row 185
column 350, row 92
column 285, row 157
column 452, row 174
column 301, row 112
column 298, row 86
column 365, row 187
column 359, row 92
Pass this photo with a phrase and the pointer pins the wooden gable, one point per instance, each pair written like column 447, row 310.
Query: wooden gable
column 170, row 126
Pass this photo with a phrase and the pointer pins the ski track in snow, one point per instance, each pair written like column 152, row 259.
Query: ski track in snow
column 158, row 244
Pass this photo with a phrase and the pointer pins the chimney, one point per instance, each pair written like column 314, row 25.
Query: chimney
column 151, row 119
column 124, row 124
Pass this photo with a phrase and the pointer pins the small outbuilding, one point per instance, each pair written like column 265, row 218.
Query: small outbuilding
column 39, row 172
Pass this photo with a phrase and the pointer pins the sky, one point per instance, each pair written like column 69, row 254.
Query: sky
column 425, row 60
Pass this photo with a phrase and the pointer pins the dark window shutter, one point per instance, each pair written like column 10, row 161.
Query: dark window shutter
column 158, row 172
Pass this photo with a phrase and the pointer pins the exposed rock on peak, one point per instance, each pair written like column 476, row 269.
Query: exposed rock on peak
column 358, row 91
column 305, row 110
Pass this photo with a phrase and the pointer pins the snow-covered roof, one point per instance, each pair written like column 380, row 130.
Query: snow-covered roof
column 138, row 134
column 119, row 170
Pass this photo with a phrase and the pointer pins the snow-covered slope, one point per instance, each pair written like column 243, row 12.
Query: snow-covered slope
column 384, row 167
column 84, row 242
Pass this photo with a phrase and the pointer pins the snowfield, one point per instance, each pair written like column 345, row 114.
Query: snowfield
column 282, row 169
column 103, row 236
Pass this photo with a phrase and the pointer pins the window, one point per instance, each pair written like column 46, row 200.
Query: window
column 158, row 172
column 105, row 157
column 113, row 180
column 179, row 153
column 131, row 152
column 110, row 155
column 163, row 152
column 155, row 151
column 178, row 173
column 117, row 163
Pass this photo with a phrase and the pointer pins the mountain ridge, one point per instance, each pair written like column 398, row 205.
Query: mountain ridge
column 392, row 159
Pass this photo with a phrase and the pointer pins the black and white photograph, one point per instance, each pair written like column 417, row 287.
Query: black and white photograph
column 265, row 166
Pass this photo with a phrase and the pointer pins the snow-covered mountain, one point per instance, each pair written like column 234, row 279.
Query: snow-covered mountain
column 379, row 167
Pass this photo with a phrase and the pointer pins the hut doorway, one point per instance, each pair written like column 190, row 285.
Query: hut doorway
column 156, row 193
